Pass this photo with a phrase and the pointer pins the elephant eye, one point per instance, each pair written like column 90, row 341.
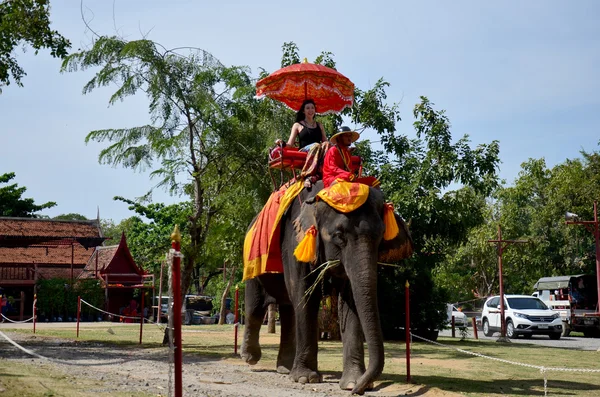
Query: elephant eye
column 339, row 238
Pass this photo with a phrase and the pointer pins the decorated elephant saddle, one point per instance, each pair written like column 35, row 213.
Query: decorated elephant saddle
column 262, row 251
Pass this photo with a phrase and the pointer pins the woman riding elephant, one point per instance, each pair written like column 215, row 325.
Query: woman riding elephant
column 355, row 238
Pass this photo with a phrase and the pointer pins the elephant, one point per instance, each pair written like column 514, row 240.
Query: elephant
column 356, row 240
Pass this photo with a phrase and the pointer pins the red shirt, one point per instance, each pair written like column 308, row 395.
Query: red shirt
column 337, row 164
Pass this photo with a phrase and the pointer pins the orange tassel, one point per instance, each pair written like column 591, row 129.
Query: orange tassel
column 389, row 220
column 306, row 251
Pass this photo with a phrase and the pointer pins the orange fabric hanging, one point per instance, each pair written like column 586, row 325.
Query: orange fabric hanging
column 306, row 251
column 389, row 220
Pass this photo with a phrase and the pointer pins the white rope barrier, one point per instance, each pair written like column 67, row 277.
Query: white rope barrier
column 54, row 360
column 23, row 321
column 543, row 370
column 109, row 313
column 160, row 326
column 16, row 322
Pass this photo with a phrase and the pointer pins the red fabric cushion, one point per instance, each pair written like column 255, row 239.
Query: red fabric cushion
column 292, row 158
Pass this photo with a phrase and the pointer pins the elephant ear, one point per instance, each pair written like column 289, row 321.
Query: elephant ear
column 306, row 233
column 398, row 248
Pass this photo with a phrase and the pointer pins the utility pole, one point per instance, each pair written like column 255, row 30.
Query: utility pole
column 501, row 246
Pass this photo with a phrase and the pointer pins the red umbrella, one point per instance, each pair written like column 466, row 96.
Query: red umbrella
column 331, row 90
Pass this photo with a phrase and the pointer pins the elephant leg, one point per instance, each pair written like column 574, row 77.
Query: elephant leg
column 352, row 339
column 255, row 313
column 287, row 345
column 305, row 369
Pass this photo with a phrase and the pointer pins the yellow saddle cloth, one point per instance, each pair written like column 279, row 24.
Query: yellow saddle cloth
column 345, row 196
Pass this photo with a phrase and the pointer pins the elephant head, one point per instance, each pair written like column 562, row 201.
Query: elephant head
column 356, row 239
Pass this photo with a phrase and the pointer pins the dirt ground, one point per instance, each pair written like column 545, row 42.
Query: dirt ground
column 126, row 369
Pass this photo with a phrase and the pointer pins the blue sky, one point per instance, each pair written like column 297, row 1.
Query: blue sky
column 514, row 71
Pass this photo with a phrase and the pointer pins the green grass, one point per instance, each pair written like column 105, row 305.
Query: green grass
column 433, row 366
column 25, row 380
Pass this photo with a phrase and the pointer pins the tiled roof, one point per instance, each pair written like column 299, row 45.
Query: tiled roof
column 115, row 264
column 46, row 255
column 48, row 227
column 105, row 255
column 53, row 252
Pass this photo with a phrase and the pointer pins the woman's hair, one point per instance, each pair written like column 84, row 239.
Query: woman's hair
column 300, row 113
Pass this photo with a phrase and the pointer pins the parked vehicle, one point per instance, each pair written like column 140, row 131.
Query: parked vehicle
column 196, row 309
column 575, row 298
column 460, row 318
column 523, row 314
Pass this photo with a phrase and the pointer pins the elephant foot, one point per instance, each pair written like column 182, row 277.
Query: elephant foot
column 305, row 375
column 350, row 380
column 285, row 362
column 352, row 385
column 251, row 354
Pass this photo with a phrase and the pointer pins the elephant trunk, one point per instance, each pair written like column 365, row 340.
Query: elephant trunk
column 363, row 281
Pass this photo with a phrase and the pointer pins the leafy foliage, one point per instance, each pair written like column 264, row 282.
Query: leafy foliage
column 26, row 22
column 416, row 175
column 58, row 297
column 12, row 202
column 206, row 132
column 532, row 209
column 70, row 217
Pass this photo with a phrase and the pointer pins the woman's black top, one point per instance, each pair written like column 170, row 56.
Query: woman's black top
column 309, row 135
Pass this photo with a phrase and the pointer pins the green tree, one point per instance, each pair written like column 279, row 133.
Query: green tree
column 417, row 176
column 26, row 22
column 201, row 131
column 531, row 209
column 207, row 129
column 12, row 202
column 148, row 233
column 70, row 217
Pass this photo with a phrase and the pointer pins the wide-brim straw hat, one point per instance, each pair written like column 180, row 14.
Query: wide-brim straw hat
column 344, row 130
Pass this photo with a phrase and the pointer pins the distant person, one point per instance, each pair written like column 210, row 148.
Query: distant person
column 3, row 307
column 229, row 318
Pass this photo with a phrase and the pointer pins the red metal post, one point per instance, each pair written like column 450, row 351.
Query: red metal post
column 34, row 309
column 407, row 329
column 142, row 316
column 597, row 237
column 72, row 260
column 236, row 319
column 78, row 313
column 176, row 287
column 159, row 310
column 96, row 269
column 22, row 306
column 453, row 327
column 475, row 327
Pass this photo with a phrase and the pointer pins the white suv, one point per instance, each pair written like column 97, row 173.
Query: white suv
column 524, row 315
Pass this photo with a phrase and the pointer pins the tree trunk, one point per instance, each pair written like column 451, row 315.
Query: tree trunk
column 223, row 312
column 271, row 318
